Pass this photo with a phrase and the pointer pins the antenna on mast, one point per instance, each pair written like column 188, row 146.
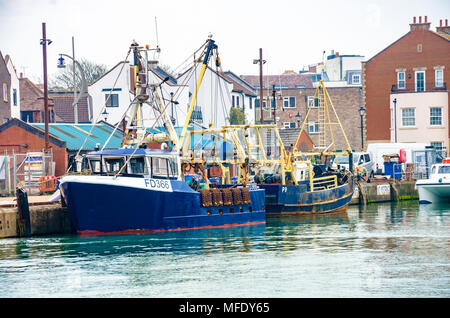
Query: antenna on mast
column 158, row 50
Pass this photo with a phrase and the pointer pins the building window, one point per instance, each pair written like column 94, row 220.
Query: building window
column 408, row 116
column 250, row 102
column 356, row 79
column 113, row 101
column 232, row 101
column 289, row 124
column 420, row 81
column 419, row 47
column 5, row 92
column 401, row 80
column 257, row 103
column 289, row 102
column 435, row 116
column 26, row 116
column 237, row 101
column 313, row 102
column 15, row 97
column 439, row 78
column 313, row 128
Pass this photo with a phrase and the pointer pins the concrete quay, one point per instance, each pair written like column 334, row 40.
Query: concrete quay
column 384, row 191
column 46, row 218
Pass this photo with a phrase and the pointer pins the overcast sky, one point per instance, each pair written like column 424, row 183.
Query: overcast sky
column 292, row 33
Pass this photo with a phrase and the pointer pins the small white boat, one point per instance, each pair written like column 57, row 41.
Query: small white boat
column 437, row 187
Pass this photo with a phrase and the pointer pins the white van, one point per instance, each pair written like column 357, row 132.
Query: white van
column 380, row 149
column 360, row 159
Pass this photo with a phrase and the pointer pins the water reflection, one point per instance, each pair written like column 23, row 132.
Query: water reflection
column 382, row 250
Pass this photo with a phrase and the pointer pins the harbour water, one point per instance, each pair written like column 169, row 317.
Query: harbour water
column 391, row 250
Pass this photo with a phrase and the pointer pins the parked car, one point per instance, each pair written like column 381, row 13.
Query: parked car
column 360, row 159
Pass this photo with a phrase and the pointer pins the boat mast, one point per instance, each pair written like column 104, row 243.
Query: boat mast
column 211, row 46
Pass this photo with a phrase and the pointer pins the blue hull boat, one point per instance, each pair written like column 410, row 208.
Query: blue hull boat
column 117, row 204
column 297, row 199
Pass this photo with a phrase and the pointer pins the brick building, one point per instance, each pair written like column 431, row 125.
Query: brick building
column 404, row 87
column 21, row 137
column 32, row 103
column 294, row 92
column 5, row 82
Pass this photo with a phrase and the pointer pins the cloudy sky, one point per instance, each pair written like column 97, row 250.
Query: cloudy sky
column 292, row 33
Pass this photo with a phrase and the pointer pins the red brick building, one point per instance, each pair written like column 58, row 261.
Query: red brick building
column 32, row 103
column 292, row 106
column 19, row 136
column 417, row 63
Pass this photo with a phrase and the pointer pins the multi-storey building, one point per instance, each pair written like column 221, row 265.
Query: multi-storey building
column 294, row 94
column 404, row 88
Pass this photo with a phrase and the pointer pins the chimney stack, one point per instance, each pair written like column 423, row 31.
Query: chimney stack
column 443, row 28
column 425, row 26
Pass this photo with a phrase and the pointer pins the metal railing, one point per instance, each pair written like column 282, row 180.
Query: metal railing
column 410, row 88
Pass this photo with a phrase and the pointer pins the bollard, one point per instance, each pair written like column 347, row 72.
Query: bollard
column 24, row 212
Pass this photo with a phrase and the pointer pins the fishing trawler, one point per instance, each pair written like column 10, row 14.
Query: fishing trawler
column 304, row 187
column 139, row 190
column 292, row 183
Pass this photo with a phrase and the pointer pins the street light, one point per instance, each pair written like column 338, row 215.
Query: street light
column 395, row 119
column 105, row 114
column 76, row 99
column 362, row 110
column 299, row 118
column 172, row 118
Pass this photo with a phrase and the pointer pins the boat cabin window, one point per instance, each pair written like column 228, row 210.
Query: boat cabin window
column 444, row 169
column 433, row 170
column 94, row 165
column 163, row 167
column 137, row 165
column 113, row 165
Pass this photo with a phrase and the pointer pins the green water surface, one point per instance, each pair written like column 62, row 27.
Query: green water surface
column 398, row 249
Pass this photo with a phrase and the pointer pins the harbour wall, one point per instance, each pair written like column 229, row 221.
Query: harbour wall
column 43, row 219
column 51, row 218
column 374, row 192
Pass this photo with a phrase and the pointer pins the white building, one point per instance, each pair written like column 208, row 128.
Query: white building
column 214, row 98
column 120, row 95
column 14, row 89
column 420, row 117
column 340, row 70
column 243, row 95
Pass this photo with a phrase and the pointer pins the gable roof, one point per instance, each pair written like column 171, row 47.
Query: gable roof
column 239, row 84
column 98, row 79
column 439, row 35
column 30, row 128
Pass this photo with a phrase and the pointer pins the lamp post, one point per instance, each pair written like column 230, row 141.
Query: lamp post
column 76, row 98
column 44, row 42
column 172, row 118
column 274, row 105
column 362, row 110
column 261, row 62
column 299, row 118
column 395, row 120
column 105, row 114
